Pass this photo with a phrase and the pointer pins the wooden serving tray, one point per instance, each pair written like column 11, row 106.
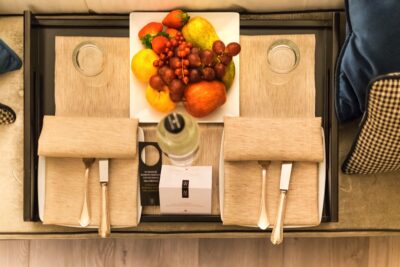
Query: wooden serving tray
column 40, row 32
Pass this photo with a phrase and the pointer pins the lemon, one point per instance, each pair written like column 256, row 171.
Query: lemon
column 142, row 64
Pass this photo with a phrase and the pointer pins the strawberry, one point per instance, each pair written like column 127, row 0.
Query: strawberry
column 171, row 32
column 159, row 43
column 148, row 32
column 176, row 19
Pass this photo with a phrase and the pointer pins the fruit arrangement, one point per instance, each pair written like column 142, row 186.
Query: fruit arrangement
column 184, row 60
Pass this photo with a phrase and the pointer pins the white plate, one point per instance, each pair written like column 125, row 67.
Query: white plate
column 227, row 26
column 321, row 183
column 42, row 187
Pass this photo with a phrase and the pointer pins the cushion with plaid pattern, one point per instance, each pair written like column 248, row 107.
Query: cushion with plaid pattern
column 7, row 115
column 377, row 146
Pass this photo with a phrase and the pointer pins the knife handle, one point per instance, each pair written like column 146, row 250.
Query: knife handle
column 104, row 228
column 277, row 232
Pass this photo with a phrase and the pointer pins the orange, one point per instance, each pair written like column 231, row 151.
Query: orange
column 142, row 64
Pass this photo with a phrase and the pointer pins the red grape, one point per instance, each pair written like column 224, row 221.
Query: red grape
column 195, row 76
column 176, row 89
column 168, row 76
column 178, row 71
column 219, row 69
column 185, row 80
column 162, row 70
column 194, row 60
column 195, row 50
column 175, row 63
column 207, row 57
column 225, row 59
column 218, row 47
column 156, row 82
column 174, row 42
column 208, row 74
column 180, row 54
column 232, row 49
column 177, row 58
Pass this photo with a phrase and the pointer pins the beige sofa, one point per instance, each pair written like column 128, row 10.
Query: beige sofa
column 126, row 6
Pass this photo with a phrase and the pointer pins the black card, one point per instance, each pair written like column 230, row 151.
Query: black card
column 149, row 177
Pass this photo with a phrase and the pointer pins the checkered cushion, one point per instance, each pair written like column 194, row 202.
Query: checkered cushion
column 377, row 146
column 7, row 115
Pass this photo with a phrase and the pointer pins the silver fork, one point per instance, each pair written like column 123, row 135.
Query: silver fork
column 263, row 222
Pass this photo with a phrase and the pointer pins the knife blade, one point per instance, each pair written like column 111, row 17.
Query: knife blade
column 103, row 170
column 104, row 227
column 285, row 175
column 277, row 232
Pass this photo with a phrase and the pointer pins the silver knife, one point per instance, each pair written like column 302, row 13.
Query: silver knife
column 104, row 227
column 277, row 232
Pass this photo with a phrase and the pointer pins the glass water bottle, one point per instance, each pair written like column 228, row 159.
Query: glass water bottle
column 178, row 137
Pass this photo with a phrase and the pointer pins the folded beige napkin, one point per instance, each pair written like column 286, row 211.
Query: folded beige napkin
column 88, row 137
column 273, row 139
column 64, row 141
column 242, row 172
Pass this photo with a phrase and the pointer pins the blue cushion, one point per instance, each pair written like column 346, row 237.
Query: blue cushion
column 372, row 48
column 8, row 59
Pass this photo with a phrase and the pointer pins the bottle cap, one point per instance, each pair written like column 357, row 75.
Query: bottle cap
column 174, row 123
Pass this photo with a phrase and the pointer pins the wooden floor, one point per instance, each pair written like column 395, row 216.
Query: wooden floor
column 299, row 252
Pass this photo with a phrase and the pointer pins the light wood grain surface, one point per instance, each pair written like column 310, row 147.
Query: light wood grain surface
column 295, row 252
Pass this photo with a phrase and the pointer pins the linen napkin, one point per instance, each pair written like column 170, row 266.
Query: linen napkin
column 247, row 140
column 273, row 139
column 64, row 142
column 88, row 137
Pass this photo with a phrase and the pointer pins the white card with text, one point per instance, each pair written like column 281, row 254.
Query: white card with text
column 185, row 190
